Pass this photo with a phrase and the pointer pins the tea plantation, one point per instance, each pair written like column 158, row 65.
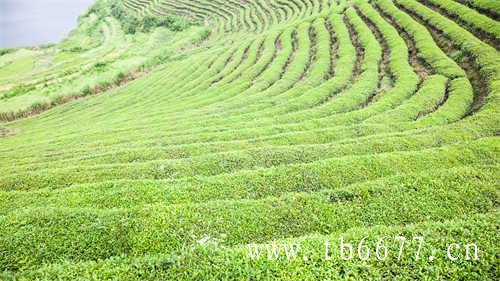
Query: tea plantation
column 161, row 138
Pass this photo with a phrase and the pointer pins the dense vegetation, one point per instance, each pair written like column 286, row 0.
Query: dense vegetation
column 111, row 45
column 163, row 136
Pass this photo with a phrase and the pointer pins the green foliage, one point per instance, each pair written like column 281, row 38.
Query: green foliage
column 131, row 23
column 18, row 90
column 299, row 121
column 5, row 51
column 64, row 57
column 17, row 66
column 85, row 37
column 477, row 20
column 171, row 22
column 488, row 5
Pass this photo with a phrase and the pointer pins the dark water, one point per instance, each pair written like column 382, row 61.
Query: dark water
column 35, row 22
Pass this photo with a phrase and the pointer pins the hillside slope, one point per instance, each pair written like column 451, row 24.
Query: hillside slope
column 164, row 136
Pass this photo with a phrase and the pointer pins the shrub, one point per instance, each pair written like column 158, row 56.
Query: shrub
column 18, row 90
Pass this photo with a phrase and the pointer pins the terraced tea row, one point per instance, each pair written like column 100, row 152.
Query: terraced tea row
column 234, row 15
column 233, row 260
